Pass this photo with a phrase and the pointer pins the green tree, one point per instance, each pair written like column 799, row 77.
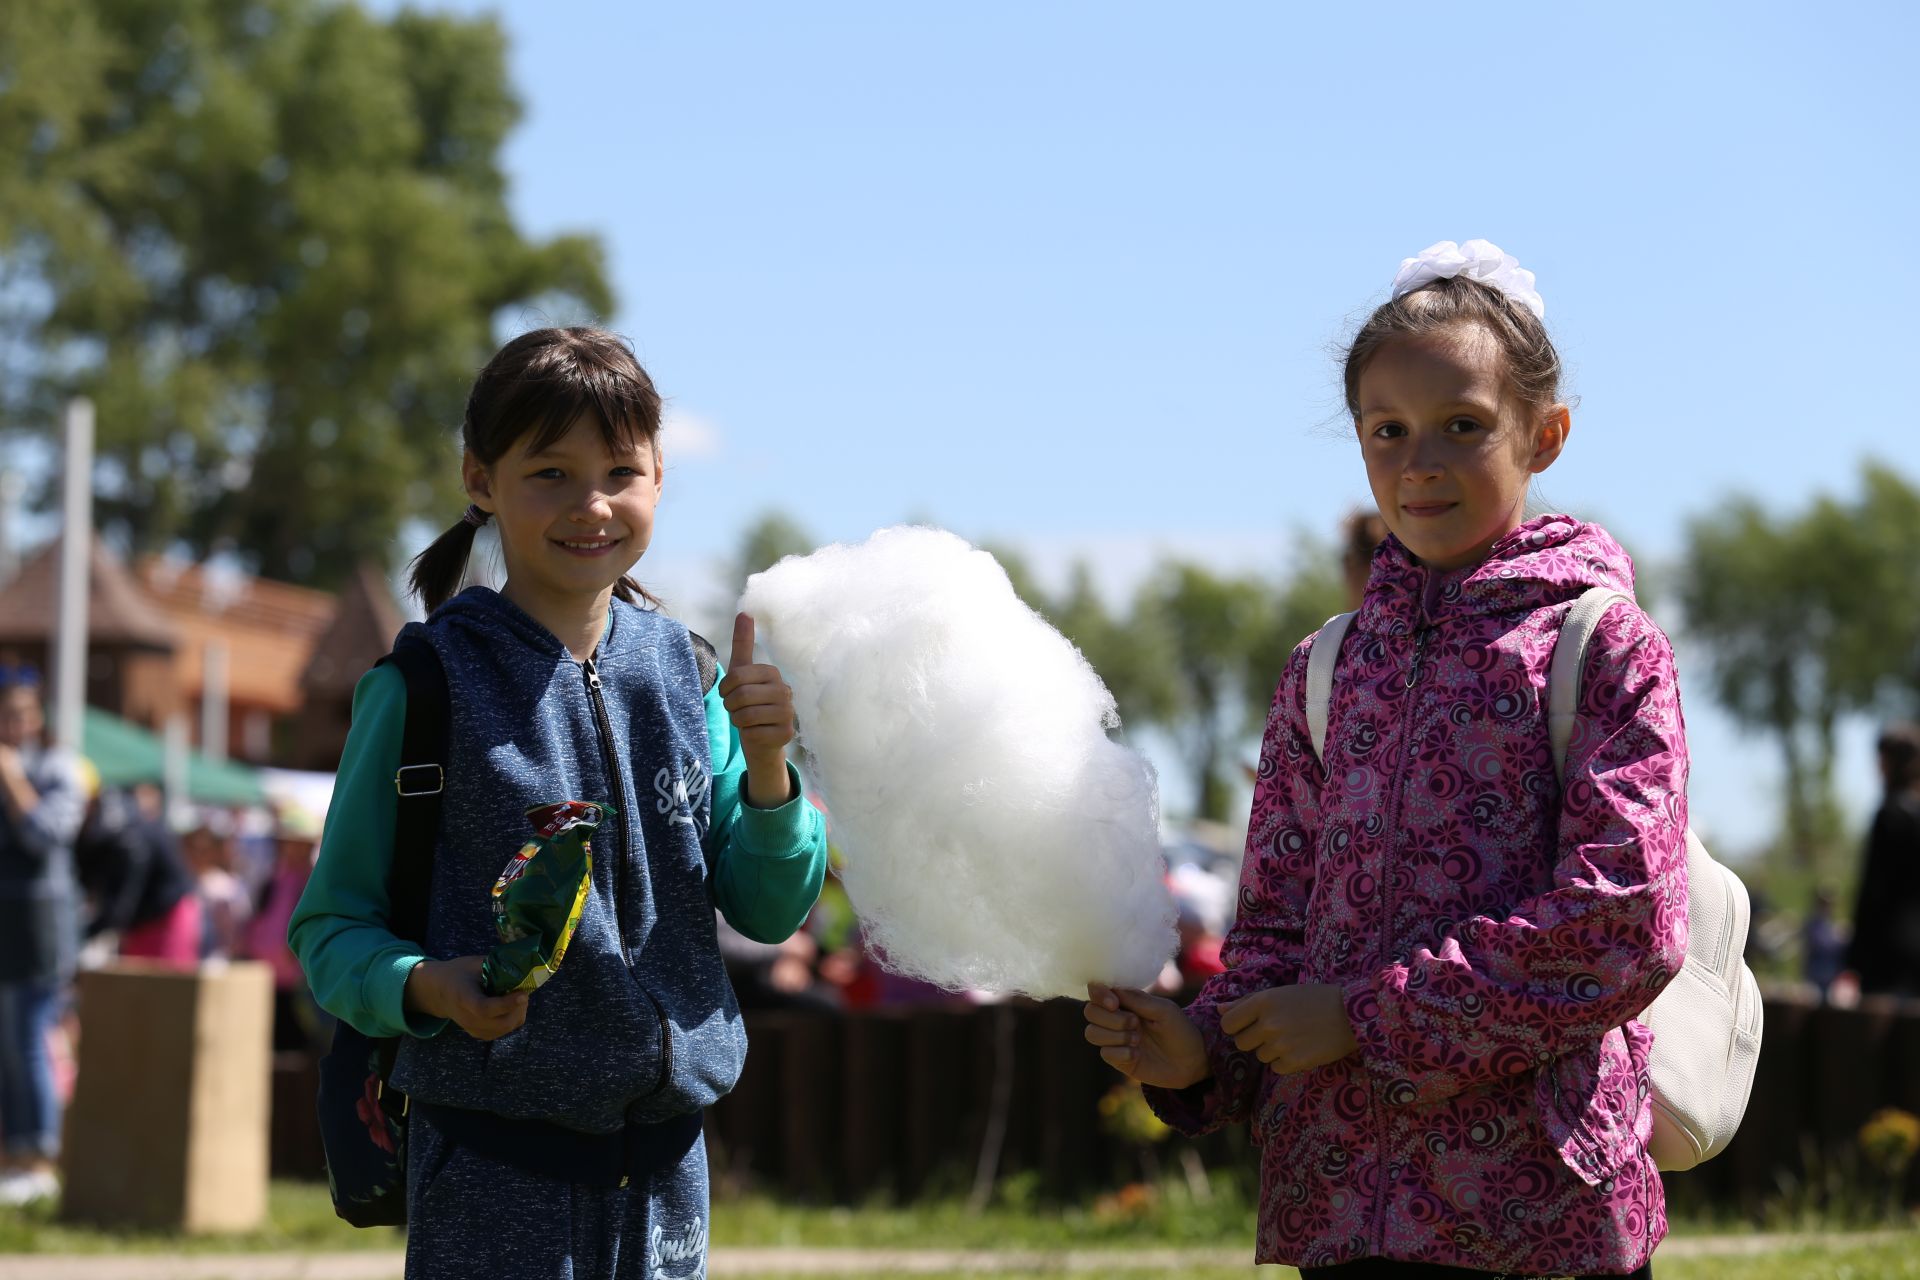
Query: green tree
column 1804, row 620
column 270, row 238
column 1316, row 591
column 1207, row 626
column 767, row 541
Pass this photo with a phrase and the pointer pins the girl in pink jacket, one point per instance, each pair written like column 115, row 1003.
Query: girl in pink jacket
column 1428, row 1013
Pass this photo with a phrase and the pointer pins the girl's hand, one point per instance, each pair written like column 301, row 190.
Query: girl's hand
column 1291, row 1028
column 1145, row 1038
column 451, row 989
column 760, row 704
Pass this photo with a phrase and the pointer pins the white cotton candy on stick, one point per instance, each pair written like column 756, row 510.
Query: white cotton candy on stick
column 995, row 837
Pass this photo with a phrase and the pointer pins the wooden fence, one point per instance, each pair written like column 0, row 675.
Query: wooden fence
column 912, row 1101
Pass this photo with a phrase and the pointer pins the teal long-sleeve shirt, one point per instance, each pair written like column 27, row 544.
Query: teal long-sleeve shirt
column 768, row 865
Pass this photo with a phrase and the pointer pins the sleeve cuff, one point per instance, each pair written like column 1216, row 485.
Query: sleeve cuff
column 785, row 832
column 1189, row 1110
column 386, row 995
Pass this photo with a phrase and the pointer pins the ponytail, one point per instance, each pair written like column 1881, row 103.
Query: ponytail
column 630, row 590
column 437, row 570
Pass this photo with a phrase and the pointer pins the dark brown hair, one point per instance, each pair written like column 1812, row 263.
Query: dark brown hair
column 535, row 388
column 1533, row 366
column 1899, row 748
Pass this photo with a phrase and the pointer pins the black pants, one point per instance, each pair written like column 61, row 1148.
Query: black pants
column 1386, row 1269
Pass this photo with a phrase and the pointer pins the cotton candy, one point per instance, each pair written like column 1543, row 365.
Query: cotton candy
column 994, row 836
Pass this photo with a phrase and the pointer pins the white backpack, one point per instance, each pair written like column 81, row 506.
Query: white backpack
column 1706, row 1023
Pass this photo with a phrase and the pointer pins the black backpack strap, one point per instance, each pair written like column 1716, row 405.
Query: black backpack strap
column 707, row 660
column 420, row 782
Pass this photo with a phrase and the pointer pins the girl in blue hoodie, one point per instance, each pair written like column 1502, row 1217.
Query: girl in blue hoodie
column 564, row 686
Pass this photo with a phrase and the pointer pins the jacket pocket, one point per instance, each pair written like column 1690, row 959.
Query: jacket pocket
column 703, row 1046
column 1590, row 1102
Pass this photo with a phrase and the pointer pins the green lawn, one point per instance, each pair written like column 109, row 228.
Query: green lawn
column 302, row 1221
column 299, row 1218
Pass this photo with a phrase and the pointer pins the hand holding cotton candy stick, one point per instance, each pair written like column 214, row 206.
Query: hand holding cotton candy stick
column 995, row 837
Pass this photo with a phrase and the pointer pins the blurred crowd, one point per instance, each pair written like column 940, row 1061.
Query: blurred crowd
column 91, row 874
column 828, row 966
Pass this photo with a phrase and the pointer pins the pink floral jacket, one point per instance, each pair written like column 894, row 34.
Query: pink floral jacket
column 1494, row 932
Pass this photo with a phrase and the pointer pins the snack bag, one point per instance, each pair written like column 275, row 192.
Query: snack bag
column 538, row 898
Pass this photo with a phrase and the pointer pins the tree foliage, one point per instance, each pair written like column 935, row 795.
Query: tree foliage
column 1804, row 619
column 1195, row 653
column 270, row 238
column 766, row 542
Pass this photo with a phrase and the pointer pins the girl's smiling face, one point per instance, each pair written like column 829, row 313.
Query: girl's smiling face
column 573, row 516
column 1449, row 446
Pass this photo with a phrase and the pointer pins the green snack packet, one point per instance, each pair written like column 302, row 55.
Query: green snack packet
column 538, row 898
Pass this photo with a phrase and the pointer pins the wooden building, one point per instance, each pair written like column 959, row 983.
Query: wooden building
column 131, row 644
column 168, row 634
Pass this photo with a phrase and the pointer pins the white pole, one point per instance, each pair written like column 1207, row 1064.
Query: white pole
column 213, row 700
column 13, row 487
column 174, row 763
column 76, row 554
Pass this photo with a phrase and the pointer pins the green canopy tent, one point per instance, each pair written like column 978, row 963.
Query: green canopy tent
column 124, row 754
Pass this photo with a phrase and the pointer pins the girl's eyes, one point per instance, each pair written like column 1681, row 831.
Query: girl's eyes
column 1458, row 426
column 555, row 473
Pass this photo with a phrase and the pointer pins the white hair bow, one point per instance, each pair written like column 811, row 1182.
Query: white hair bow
column 1479, row 260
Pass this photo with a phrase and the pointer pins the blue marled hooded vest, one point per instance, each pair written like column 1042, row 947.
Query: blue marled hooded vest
column 639, row 1023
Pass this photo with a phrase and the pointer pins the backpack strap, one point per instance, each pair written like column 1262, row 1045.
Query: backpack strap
column 421, row 782
column 1569, row 657
column 707, row 660
column 1321, row 660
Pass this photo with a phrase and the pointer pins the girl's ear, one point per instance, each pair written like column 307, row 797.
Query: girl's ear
column 478, row 479
column 1555, row 426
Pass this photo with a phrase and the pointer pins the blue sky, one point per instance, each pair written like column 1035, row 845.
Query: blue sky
column 1067, row 275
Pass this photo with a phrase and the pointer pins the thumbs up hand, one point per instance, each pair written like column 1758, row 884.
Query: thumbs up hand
column 760, row 704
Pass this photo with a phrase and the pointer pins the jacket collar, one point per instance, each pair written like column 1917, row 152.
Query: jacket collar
column 488, row 610
column 1548, row 560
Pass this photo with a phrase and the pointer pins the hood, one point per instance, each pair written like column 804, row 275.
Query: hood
column 1548, row 560
column 486, row 610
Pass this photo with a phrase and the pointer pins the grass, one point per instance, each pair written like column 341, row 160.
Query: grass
column 1167, row 1216
column 300, row 1219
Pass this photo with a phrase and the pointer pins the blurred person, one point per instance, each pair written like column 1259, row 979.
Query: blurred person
column 1428, row 1013
column 225, row 905
column 1361, row 536
column 776, row 975
column 1823, row 946
column 563, row 687
column 136, row 878
column 41, row 808
column 1885, row 952
column 295, row 1023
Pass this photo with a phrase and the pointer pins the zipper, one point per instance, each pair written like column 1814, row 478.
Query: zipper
column 603, row 729
column 1422, row 633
